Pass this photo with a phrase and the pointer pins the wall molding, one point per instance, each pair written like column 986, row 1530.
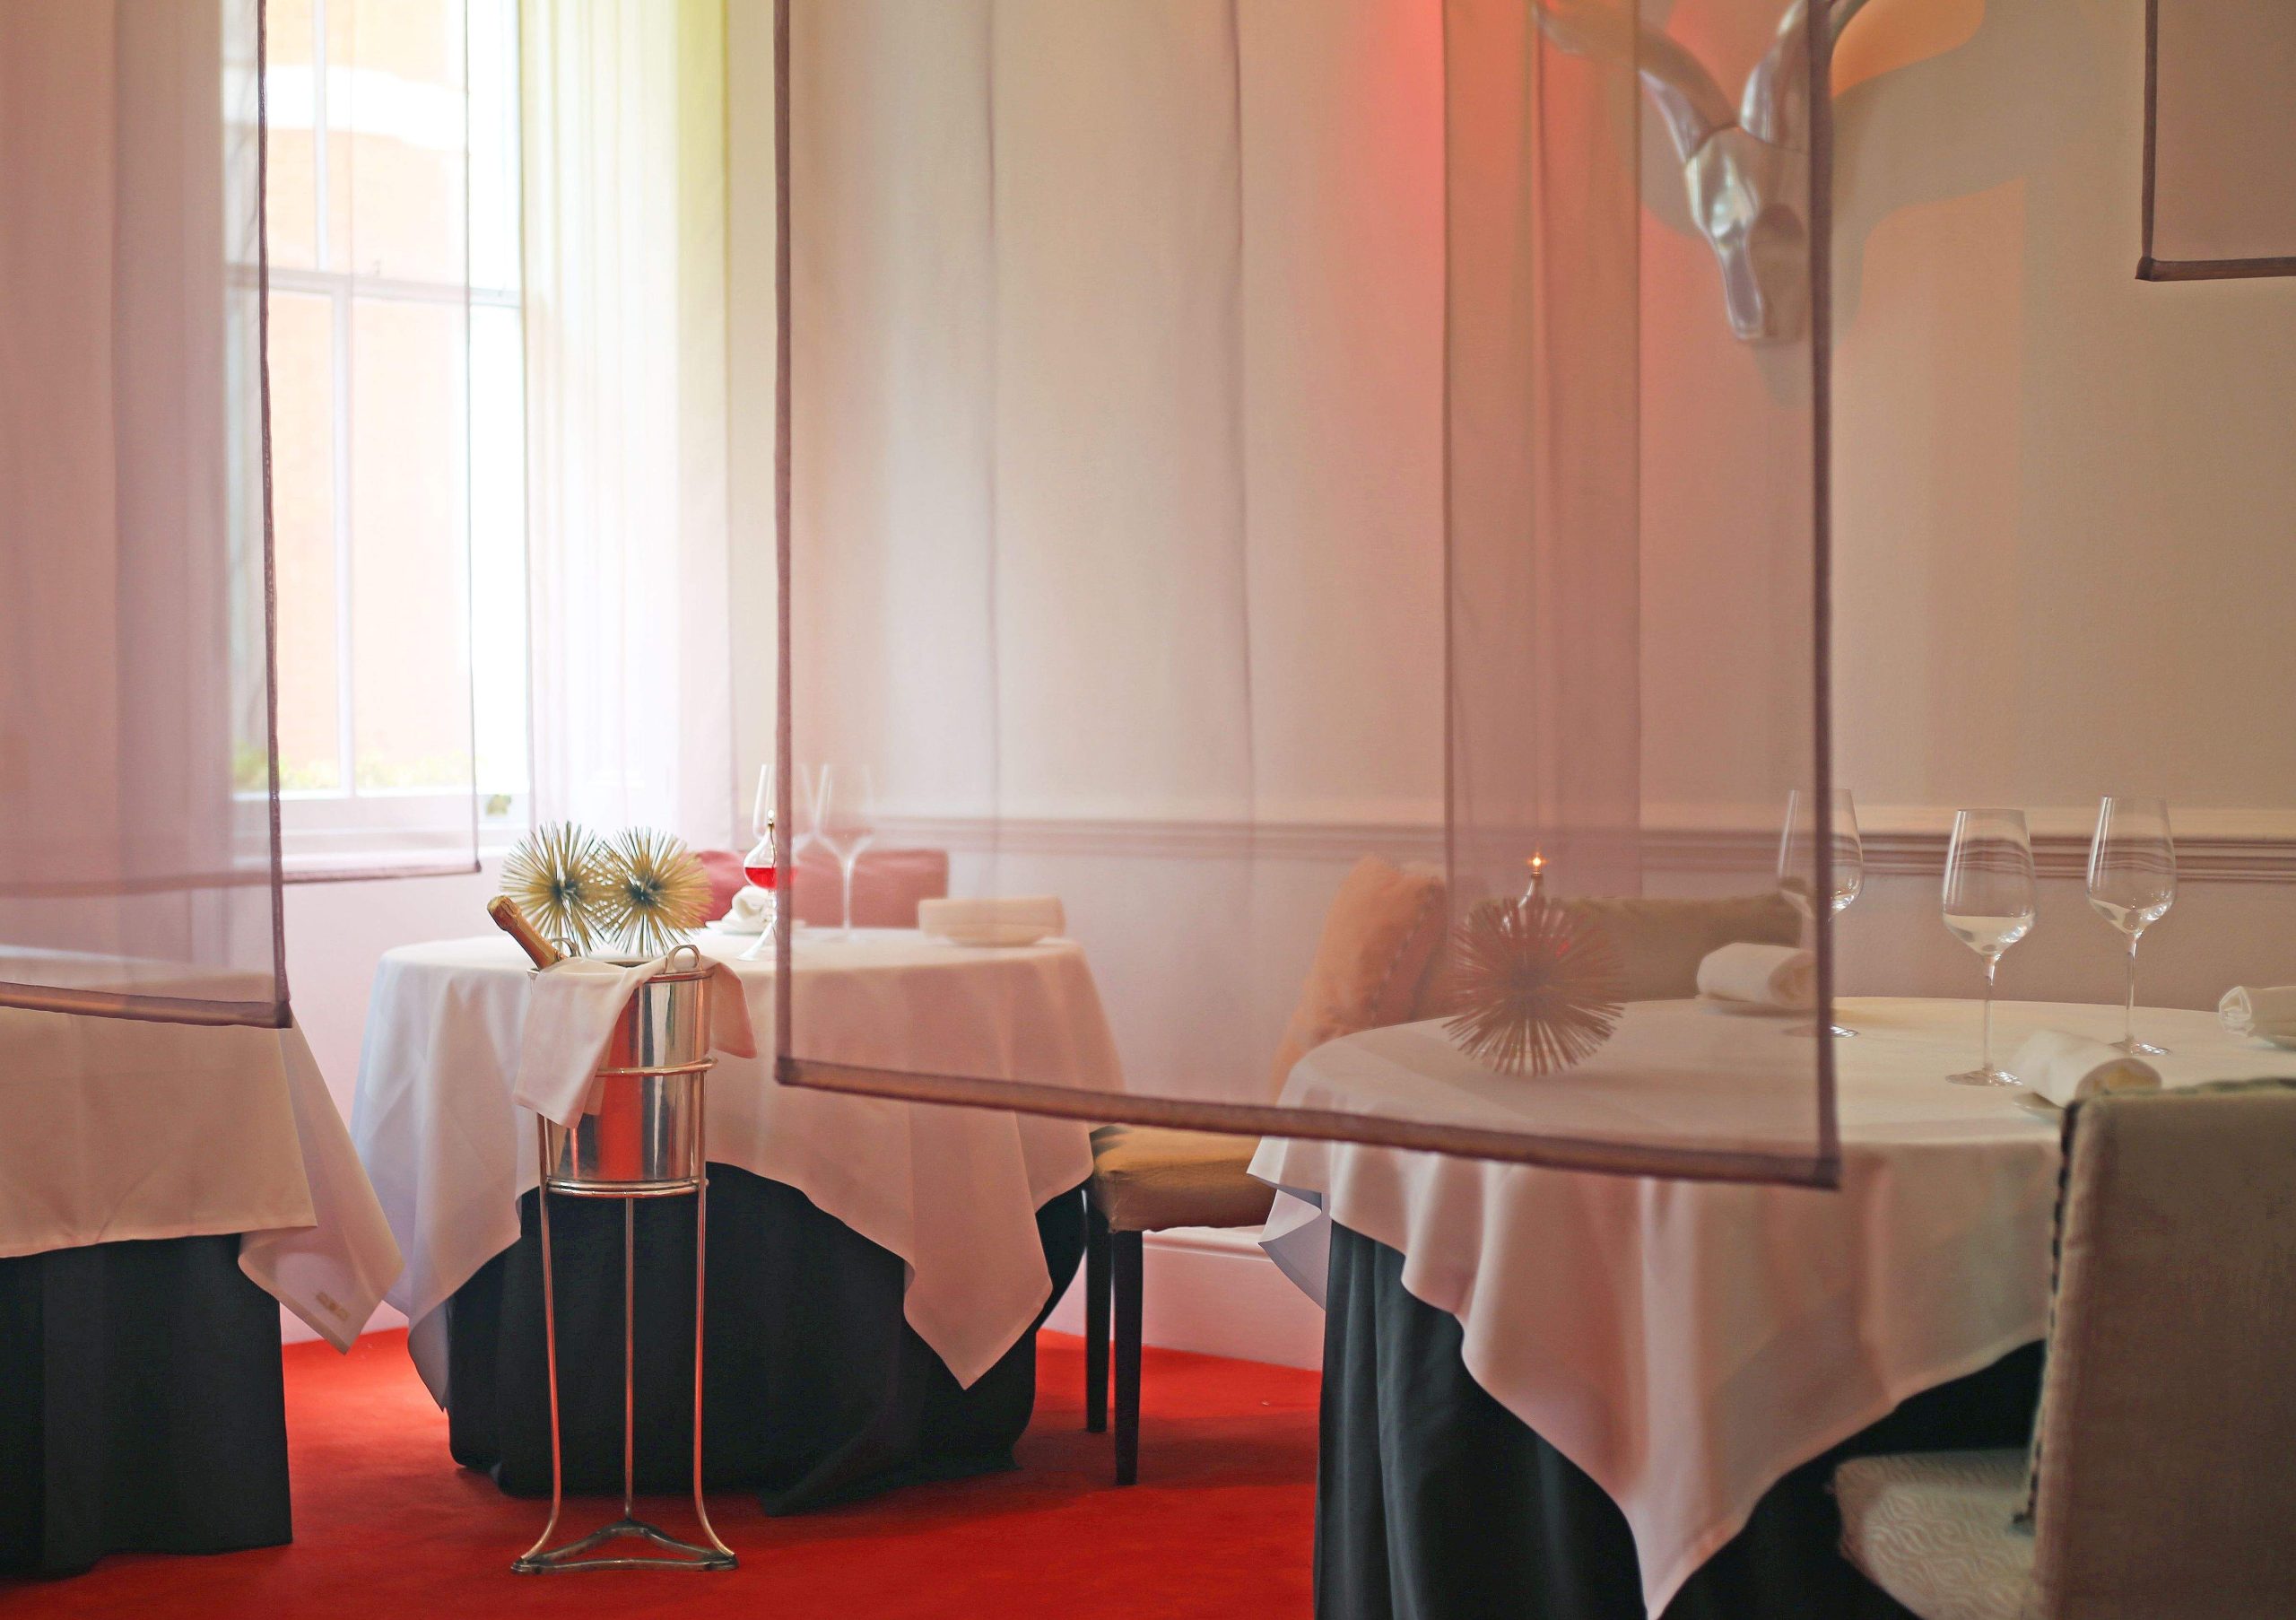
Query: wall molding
column 2212, row 846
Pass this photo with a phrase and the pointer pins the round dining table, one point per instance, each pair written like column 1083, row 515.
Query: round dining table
column 876, row 1267
column 1556, row 1392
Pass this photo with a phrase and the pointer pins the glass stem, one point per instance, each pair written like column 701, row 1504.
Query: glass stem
column 2128, row 1024
column 1985, row 1061
column 846, row 868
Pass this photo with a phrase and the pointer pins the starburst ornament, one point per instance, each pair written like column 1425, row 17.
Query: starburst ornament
column 557, row 875
column 656, row 891
column 1534, row 988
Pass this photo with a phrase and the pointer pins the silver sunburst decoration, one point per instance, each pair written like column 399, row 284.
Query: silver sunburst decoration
column 557, row 875
column 1533, row 988
column 656, row 891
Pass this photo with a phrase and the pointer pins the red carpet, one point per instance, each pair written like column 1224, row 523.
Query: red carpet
column 386, row 1524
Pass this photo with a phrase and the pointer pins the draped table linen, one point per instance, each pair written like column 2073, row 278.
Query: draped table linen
column 953, row 1192
column 1687, row 1344
column 122, row 1130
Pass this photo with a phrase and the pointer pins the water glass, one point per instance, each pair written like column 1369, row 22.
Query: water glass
column 1988, row 906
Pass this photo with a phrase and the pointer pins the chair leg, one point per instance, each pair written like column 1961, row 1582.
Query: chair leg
column 1096, row 1321
column 1125, row 1254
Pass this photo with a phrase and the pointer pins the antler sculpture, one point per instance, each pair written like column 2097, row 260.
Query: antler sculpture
column 1747, row 170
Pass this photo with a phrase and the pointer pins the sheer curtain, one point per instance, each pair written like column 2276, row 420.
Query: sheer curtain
column 625, row 329
column 139, row 861
column 1231, row 437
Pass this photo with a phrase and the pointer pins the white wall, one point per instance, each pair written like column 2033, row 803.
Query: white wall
column 2066, row 500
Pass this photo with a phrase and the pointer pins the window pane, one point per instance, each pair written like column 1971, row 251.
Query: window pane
column 494, row 196
column 290, row 83
column 498, row 548
column 396, row 118
column 409, row 554
column 302, row 516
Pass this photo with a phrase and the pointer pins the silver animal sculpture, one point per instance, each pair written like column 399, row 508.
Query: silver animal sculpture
column 1747, row 170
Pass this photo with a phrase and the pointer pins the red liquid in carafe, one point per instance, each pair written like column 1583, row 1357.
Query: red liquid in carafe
column 764, row 877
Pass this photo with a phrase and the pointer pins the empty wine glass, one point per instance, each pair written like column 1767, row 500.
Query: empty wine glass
column 1988, row 906
column 1798, row 865
column 843, row 805
column 762, row 864
column 2133, row 882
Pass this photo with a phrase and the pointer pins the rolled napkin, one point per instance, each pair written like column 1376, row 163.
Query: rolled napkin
column 2259, row 1011
column 1005, row 920
column 1760, row 975
column 746, row 914
column 2065, row 1069
column 570, row 1020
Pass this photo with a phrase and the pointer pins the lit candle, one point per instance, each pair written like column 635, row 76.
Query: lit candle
column 1538, row 863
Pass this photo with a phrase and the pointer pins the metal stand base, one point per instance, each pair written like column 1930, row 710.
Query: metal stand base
column 542, row 1558
column 679, row 1555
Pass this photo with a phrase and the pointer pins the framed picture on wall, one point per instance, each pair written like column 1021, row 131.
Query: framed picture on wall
column 2220, row 139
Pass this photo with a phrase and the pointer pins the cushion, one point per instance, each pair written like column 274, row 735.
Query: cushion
column 1934, row 1531
column 726, row 879
column 1379, row 937
column 1661, row 942
column 887, row 884
column 1147, row 1179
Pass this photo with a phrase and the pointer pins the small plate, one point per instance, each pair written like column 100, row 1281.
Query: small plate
column 995, row 934
column 1754, row 1009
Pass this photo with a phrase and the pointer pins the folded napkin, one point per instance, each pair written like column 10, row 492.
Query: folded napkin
column 746, row 914
column 1760, row 975
column 2065, row 1069
column 571, row 1018
column 1011, row 919
column 2246, row 1011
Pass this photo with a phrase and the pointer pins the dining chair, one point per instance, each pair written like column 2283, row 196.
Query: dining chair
column 1377, row 962
column 887, row 883
column 2160, row 1484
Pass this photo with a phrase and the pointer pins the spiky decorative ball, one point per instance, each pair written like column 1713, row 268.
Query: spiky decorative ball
column 1533, row 988
column 557, row 875
column 656, row 891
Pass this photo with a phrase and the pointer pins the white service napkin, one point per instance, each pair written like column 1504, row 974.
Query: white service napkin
column 2258, row 1011
column 746, row 915
column 571, row 1017
column 1760, row 975
column 1015, row 919
column 2065, row 1069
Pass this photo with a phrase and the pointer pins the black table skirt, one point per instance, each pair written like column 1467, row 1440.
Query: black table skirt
column 1435, row 1503
column 817, row 1390
column 141, row 1407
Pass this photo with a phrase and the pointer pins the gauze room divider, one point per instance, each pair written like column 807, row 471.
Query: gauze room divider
column 139, row 836
column 1222, row 440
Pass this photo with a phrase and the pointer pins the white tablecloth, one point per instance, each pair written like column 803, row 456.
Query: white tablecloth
column 122, row 1129
column 953, row 1192
column 1688, row 1344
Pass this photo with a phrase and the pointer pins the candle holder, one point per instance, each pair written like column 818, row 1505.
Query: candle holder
column 645, row 1139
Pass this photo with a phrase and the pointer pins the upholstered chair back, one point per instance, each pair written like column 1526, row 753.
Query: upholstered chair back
column 1661, row 942
column 1371, row 961
column 2165, row 1452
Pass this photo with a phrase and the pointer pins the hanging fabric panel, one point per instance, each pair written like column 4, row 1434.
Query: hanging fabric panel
column 1254, row 465
column 139, row 855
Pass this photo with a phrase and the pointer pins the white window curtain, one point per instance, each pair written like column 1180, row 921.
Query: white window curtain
column 625, row 169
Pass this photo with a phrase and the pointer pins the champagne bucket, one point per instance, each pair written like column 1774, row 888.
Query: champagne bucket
column 644, row 1139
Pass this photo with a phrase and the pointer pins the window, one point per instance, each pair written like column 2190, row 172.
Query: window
column 398, row 427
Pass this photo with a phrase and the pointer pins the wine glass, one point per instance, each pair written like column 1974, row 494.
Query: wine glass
column 844, row 804
column 1798, row 865
column 1988, row 906
column 762, row 866
column 2133, row 882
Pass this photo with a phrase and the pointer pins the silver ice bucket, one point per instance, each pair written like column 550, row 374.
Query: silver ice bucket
column 644, row 1139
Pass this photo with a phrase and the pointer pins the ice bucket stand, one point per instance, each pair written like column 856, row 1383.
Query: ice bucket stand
column 646, row 1140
